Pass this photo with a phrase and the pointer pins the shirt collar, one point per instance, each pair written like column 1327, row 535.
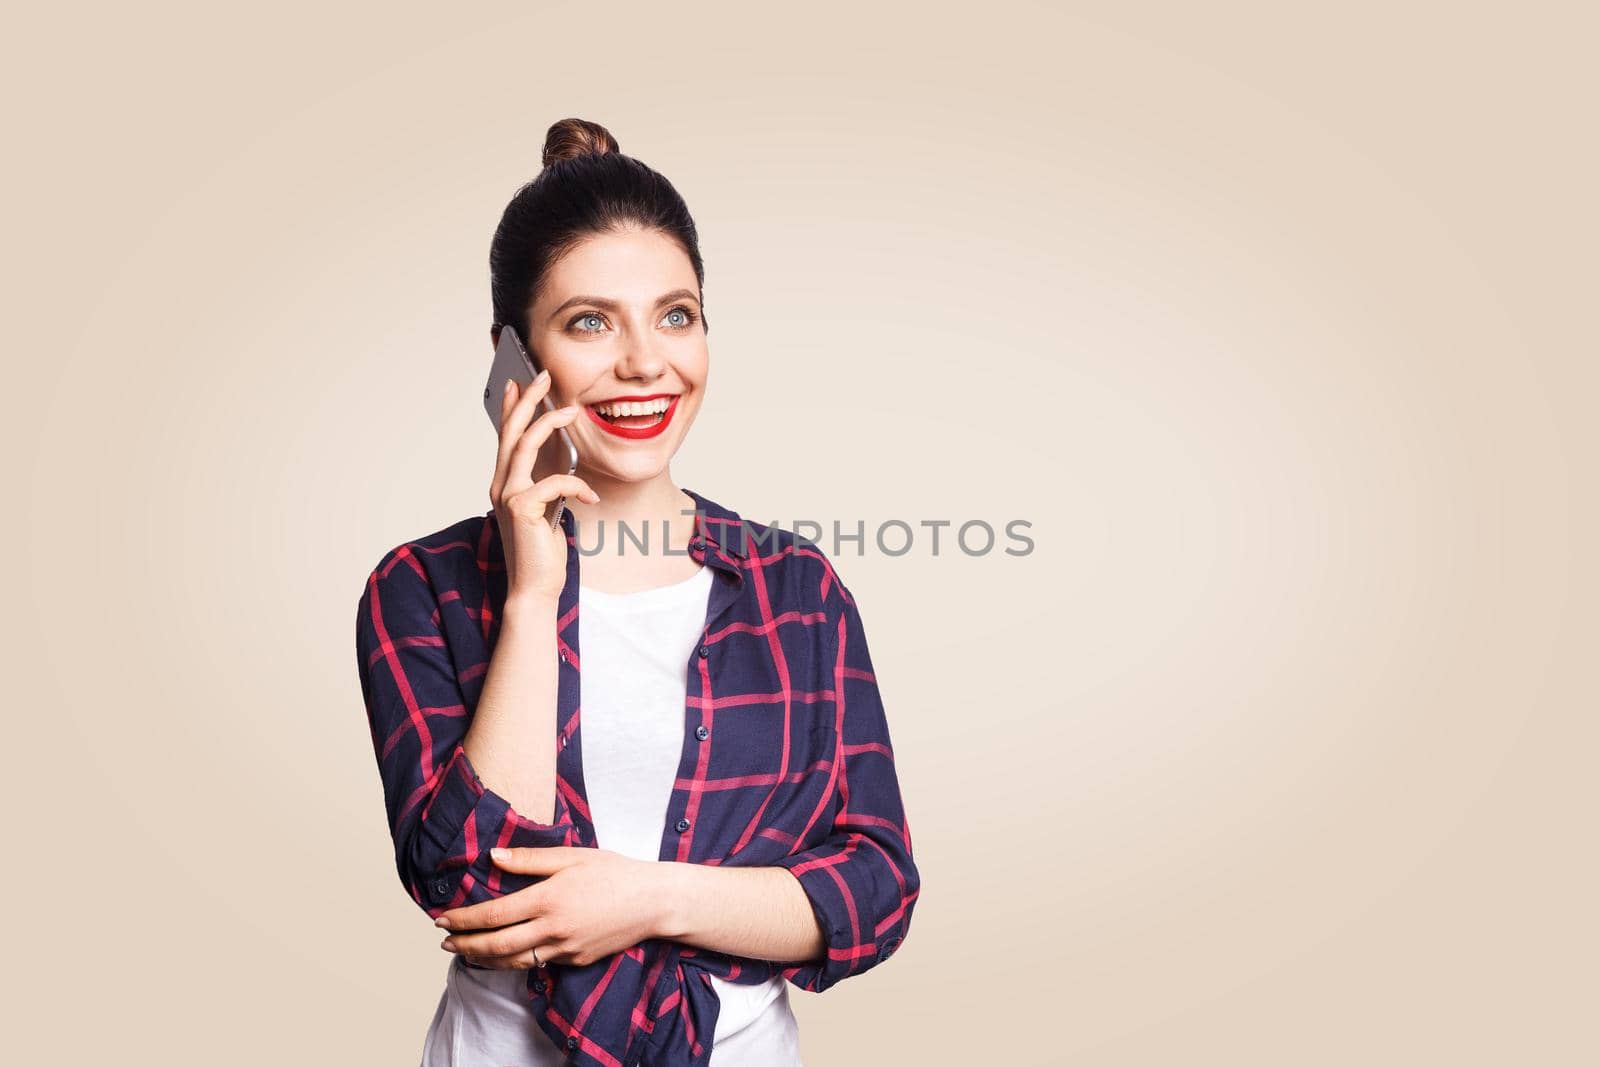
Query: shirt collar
column 723, row 531
column 720, row 528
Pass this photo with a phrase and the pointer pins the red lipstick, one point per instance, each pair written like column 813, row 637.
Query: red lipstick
column 634, row 432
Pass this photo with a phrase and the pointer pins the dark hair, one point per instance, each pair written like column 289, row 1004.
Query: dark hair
column 587, row 187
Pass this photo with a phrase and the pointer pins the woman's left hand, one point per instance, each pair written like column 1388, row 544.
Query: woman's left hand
column 595, row 902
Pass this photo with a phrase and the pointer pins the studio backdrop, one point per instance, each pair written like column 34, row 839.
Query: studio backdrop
column 1194, row 398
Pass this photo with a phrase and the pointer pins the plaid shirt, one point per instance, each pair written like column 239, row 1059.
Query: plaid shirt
column 786, row 762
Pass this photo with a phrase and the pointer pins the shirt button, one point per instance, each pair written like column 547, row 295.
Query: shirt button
column 440, row 888
column 705, row 650
column 683, row 824
column 540, row 985
column 702, row 732
column 696, row 543
column 572, row 1041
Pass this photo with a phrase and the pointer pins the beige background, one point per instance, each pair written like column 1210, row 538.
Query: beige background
column 1278, row 328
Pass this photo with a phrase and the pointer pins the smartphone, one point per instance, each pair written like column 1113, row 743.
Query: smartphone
column 558, row 455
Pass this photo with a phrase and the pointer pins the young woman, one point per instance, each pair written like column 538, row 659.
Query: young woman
column 714, row 813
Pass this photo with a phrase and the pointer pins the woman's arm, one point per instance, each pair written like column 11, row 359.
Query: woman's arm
column 592, row 902
column 861, row 878
column 442, row 816
column 758, row 912
column 511, row 741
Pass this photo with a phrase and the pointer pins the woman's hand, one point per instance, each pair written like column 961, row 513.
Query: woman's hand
column 595, row 902
column 536, row 553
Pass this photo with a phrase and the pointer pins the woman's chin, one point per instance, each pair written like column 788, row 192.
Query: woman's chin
column 636, row 470
column 621, row 460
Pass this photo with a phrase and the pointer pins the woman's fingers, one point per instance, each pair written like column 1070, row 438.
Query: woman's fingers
column 523, row 457
column 504, row 942
column 551, row 486
column 522, row 961
column 508, row 400
column 516, row 411
column 532, row 500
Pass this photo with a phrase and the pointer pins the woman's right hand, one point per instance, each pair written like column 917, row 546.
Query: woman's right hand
column 536, row 554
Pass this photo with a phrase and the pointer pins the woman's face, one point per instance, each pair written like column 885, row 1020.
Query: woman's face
column 619, row 321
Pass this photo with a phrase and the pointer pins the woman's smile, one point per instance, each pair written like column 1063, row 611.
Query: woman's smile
column 634, row 417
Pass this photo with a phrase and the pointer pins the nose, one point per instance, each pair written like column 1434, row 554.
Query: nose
column 640, row 362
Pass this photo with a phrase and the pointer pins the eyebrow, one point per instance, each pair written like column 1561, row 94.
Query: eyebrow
column 612, row 305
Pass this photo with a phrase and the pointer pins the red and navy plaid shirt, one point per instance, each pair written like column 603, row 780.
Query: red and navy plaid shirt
column 786, row 762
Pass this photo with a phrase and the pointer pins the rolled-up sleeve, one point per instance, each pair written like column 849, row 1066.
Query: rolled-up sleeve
column 862, row 881
column 442, row 818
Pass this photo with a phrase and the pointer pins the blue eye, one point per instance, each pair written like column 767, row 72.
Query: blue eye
column 686, row 318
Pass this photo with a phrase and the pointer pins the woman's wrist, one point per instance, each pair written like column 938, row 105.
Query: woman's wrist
column 530, row 607
column 761, row 912
column 666, row 886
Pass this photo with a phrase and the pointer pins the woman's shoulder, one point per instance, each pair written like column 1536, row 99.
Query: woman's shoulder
column 793, row 567
column 443, row 559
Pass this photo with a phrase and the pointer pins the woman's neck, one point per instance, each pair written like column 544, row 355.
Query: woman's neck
column 628, row 515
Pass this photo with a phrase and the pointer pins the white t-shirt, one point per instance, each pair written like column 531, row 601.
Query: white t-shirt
column 635, row 649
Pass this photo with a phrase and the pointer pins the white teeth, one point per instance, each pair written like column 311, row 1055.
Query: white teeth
column 634, row 407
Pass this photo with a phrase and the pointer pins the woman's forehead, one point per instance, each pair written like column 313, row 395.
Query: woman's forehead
column 634, row 267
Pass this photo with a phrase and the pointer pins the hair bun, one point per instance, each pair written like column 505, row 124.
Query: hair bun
column 571, row 138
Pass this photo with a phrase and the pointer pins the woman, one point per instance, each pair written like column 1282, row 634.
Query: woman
column 721, row 817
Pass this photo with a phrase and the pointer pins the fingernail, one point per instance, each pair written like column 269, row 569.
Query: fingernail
column 499, row 853
column 446, row 945
column 543, row 375
column 509, row 384
column 442, row 923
